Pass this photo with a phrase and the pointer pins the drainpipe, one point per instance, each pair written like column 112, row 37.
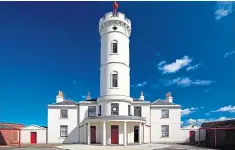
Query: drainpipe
column 19, row 138
column 215, row 137
column 199, row 136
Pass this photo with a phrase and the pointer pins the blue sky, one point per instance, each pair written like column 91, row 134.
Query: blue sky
column 187, row 48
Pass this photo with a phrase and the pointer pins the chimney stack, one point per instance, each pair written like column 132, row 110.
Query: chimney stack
column 169, row 98
column 88, row 97
column 141, row 96
column 60, row 97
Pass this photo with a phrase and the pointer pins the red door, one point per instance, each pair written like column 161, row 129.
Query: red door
column 33, row 137
column 192, row 137
column 114, row 134
column 93, row 134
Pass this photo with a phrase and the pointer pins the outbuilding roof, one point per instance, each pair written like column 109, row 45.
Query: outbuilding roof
column 162, row 102
column 219, row 124
column 5, row 127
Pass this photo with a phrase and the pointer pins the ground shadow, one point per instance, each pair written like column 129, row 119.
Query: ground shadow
column 2, row 139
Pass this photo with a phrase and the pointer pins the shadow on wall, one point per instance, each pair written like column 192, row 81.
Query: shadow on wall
column 2, row 139
column 72, row 137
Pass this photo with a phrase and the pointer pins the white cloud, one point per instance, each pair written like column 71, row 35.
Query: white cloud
column 175, row 66
column 182, row 122
column 207, row 114
column 223, row 9
column 158, row 54
column 191, row 121
column 161, row 63
column 188, row 111
column 83, row 96
column 229, row 53
column 191, row 68
column 202, row 107
column 186, row 82
column 144, row 83
column 229, row 108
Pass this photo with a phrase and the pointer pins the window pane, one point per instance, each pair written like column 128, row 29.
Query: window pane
column 114, row 47
column 91, row 111
column 165, row 113
column 100, row 110
column 64, row 113
column 114, row 109
column 63, row 130
column 165, row 130
column 114, row 80
column 137, row 111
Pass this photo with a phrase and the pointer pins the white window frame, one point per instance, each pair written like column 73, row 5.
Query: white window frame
column 65, row 130
column 93, row 112
column 62, row 115
column 111, row 77
column 114, row 41
column 165, row 113
column 165, row 131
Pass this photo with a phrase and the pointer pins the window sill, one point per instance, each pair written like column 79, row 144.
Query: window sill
column 164, row 137
column 114, row 54
column 164, row 118
column 63, row 137
column 114, row 87
column 64, row 118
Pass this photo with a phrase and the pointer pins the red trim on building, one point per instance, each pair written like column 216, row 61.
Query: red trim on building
column 226, row 128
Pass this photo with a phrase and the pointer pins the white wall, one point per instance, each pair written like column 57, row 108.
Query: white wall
column 185, row 135
column 147, row 134
column 54, row 122
column 145, row 110
column 174, row 122
column 83, row 111
column 114, row 62
column 41, row 136
column 202, row 134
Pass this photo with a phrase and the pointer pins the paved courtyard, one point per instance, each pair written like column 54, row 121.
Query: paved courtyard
column 133, row 147
column 98, row 147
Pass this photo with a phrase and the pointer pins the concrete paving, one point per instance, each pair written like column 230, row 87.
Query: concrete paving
column 133, row 147
column 98, row 147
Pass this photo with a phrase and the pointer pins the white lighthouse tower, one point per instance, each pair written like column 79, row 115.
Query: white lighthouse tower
column 115, row 30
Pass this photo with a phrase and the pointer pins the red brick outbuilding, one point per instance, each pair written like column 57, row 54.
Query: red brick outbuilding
column 10, row 133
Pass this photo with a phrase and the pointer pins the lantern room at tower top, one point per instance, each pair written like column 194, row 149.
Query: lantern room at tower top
column 114, row 19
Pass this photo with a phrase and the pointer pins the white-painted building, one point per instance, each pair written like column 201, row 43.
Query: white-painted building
column 34, row 134
column 114, row 117
column 189, row 133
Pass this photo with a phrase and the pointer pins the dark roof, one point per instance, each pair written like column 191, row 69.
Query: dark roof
column 12, row 123
column 93, row 99
column 66, row 102
column 162, row 102
column 6, row 127
column 219, row 124
column 136, row 99
column 117, row 117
